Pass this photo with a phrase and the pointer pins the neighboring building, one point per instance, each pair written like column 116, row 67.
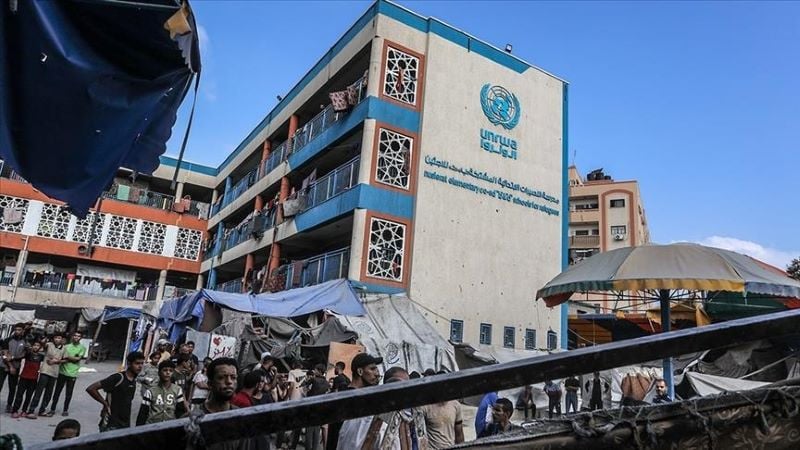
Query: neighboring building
column 445, row 177
column 603, row 215
column 146, row 245
column 412, row 157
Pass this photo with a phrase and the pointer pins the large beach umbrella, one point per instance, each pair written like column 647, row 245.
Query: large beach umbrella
column 661, row 271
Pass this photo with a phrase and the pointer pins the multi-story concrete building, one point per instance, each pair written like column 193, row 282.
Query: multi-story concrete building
column 143, row 243
column 603, row 215
column 412, row 157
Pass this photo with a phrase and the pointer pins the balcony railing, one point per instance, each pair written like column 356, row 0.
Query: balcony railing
column 250, row 230
column 303, row 136
column 144, row 197
column 65, row 282
column 7, row 172
column 233, row 286
column 332, row 184
column 584, row 241
column 318, row 269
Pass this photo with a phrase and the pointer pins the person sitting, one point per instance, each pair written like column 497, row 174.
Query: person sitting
column 501, row 419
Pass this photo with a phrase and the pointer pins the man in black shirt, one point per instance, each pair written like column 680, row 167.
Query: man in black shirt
column 122, row 387
column 340, row 381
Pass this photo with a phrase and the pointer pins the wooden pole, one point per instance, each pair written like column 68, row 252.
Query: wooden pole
column 96, row 334
column 127, row 344
column 339, row 406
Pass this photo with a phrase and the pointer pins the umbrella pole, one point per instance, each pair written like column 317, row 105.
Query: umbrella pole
column 663, row 296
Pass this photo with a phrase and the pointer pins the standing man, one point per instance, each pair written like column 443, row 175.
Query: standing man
column 222, row 374
column 318, row 385
column 122, row 388
column 162, row 401
column 661, row 392
column 340, row 380
column 244, row 397
column 12, row 350
column 365, row 374
column 501, row 418
column 48, row 373
column 595, row 386
column 28, row 377
column 68, row 372
column 182, row 374
column 553, row 391
column 571, row 385
column 149, row 375
column 483, row 416
column 444, row 423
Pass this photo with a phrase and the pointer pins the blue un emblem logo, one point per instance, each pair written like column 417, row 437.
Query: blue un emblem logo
column 500, row 106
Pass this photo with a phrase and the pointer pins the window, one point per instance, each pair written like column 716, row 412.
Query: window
column 456, row 330
column 530, row 339
column 618, row 203
column 508, row 337
column 386, row 250
column 619, row 229
column 486, row 334
column 552, row 340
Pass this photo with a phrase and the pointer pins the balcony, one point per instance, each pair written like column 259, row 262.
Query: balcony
column 69, row 282
column 151, row 199
column 7, row 172
column 249, row 229
column 332, row 184
column 584, row 241
column 302, row 137
column 232, row 286
column 315, row 270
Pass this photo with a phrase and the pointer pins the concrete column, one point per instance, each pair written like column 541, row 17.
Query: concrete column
column 214, row 196
column 200, row 282
column 266, row 148
column 249, row 261
column 22, row 259
column 212, row 279
column 218, row 237
column 162, row 283
column 274, row 257
column 179, row 191
column 259, row 203
column 282, row 196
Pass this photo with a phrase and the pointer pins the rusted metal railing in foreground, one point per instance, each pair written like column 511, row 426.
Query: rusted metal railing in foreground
column 340, row 406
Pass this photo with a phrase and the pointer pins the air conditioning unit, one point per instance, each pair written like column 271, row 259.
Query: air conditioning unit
column 619, row 237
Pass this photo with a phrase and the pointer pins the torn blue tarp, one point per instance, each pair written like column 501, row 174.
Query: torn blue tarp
column 87, row 87
column 337, row 296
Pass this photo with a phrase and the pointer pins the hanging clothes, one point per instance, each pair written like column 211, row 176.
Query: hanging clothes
column 339, row 100
column 13, row 215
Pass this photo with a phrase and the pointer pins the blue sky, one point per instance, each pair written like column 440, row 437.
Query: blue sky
column 699, row 101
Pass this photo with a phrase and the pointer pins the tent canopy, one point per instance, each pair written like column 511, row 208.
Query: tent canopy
column 675, row 267
column 337, row 296
column 89, row 87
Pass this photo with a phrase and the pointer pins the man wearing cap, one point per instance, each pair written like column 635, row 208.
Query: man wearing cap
column 352, row 433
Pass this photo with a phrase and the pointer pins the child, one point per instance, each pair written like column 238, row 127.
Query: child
column 27, row 380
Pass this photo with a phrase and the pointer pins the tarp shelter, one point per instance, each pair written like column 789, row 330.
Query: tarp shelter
column 101, row 79
column 336, row 295
column 47, row 312
column 393, row 328
column 704, row 384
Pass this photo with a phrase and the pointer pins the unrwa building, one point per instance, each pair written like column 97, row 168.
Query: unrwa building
column 437, row 167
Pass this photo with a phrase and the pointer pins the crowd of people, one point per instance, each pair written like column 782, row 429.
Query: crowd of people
column 172, row 382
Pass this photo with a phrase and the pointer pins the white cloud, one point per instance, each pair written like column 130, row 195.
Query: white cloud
column 205, row 42
column 776, row 257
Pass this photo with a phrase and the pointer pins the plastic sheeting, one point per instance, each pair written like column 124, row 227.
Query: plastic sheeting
column 393, row 328
column 106, row 273
column 14, row 316
column 100, row 79
column 705, row 384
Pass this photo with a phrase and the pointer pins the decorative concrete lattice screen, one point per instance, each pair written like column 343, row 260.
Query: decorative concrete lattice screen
column 386, row 244
column 400, row 81
column 188, row 244
column 54, row 222
column 394, row 159
column 121, row 232
column 13, row 213
column 84, row 226
column 151, row 239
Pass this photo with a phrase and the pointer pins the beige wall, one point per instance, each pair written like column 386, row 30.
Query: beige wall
column 477, row 258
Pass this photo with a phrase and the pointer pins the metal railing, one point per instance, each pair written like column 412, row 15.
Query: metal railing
column 584, row 241
column 139, row 196
column 233, row 286
column 317, row 269
column 7, row 172
column 332, row 184
column 302, row 137
column 62, row 282
column 250, row 230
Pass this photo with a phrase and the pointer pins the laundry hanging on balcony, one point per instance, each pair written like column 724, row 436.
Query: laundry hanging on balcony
column 88, row 87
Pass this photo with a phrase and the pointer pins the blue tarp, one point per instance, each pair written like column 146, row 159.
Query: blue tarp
column 89, row 87
column 337, row 296
column 112, row 313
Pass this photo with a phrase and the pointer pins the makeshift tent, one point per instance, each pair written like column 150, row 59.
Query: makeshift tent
column 337, row 296
column 101, row 79
column 704, row 384
column 394, row 329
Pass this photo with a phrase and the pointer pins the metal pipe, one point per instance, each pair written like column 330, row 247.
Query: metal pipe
column 339, row 406
column 663, row 298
